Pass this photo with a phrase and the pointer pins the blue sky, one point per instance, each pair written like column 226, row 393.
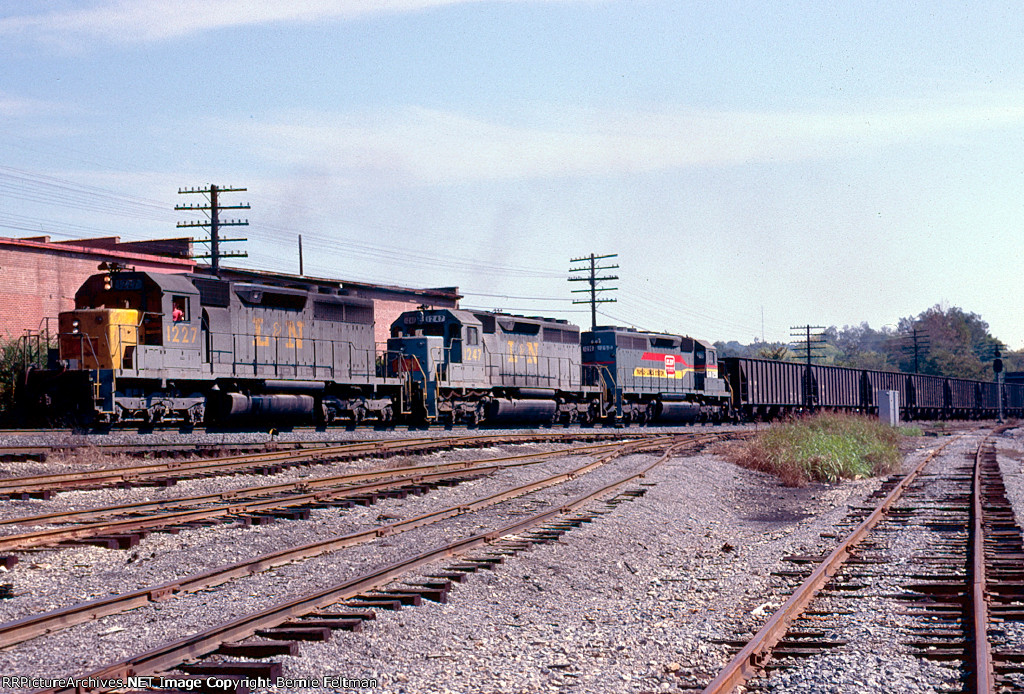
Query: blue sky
column 811, row 164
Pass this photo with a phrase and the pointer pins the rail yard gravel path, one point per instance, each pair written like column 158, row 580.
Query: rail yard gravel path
column 91, row 572
column 629, row 603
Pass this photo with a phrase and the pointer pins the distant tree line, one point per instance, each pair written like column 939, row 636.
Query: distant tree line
column 950, row 342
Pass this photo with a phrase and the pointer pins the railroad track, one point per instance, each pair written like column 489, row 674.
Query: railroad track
column 70, row 443
column 348, row 604
column 168, row 472
column 122, row 526
column 957, row 605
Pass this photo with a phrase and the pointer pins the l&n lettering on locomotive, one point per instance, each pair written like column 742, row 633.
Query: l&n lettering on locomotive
column 294, row 334
column 518, row 351
column 293, row 328
column 257, row 331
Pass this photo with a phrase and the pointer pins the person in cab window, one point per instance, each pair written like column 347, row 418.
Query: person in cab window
column 177, row 312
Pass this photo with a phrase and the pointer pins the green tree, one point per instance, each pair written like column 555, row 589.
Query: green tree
column 776, row 351
column 959, row 344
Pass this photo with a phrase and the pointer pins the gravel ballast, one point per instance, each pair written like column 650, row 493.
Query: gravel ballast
column 631, row 602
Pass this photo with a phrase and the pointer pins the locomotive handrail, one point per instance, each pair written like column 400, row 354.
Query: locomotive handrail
column 330, row 369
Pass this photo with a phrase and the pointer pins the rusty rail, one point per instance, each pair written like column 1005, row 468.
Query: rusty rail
column 758, row 650
column 176, row 653
column 233, row 503
column 983, row 677
column 231, row 464
column 36, row 625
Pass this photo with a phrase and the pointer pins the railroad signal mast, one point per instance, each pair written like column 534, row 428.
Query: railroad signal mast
column 812, row 346
column 213, row 208
column 591, row 267
column 997, row 368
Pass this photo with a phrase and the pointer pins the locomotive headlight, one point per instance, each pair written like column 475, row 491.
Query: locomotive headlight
column 74, row 326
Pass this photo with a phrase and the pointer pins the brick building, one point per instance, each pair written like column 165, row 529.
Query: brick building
column 39, row 278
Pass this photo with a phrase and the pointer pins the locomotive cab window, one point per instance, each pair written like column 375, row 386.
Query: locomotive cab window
column 472, row 335
column 179, row 309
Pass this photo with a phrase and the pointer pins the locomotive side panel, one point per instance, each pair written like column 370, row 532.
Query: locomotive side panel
column 532, row 353
column 260, row 332
column 651, row 376
column 475, row 365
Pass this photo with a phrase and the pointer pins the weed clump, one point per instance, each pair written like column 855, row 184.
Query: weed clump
column 824, row 448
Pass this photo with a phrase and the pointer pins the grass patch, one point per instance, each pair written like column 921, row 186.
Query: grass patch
column 824, row 448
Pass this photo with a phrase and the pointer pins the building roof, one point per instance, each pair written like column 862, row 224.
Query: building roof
column 175, row 256
column 108, row 247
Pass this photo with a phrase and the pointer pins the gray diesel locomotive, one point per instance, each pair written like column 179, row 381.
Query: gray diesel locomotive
column 147, row 347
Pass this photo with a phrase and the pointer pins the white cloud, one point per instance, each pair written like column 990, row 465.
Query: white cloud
column 155, row 20
column 435, row 147
column 12, row 106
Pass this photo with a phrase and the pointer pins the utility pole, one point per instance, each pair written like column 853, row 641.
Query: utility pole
column 591, row 267
column 920, row 338
column 213, row 208
column 813, row 346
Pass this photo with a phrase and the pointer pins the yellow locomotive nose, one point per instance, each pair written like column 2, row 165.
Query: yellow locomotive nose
column 98, row 338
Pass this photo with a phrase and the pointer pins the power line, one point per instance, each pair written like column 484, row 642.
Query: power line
column 591, row 267
column 522, row 310
column 398, row 256
column 213, row 208
column 814, row 347
column 511, row 296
